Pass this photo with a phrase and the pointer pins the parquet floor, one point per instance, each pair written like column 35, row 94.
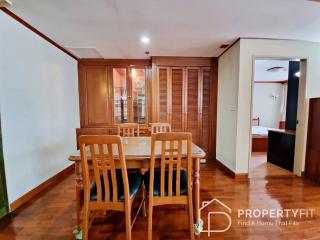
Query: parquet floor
column 52, row 214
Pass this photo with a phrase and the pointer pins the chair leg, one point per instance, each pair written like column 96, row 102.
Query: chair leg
column 144, row 209
column 86, row 215
column 128, row 221
column 191, row 220
column 150, row 220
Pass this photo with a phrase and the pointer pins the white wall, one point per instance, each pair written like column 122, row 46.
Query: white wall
column 269, row 103
column 262, row 48
column 262, row 65
column 39, row 107
column 228, row 84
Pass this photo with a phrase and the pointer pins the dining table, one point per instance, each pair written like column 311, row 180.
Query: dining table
column 137, row 152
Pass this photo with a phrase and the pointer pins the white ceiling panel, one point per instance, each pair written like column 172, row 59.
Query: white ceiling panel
column 175, row 27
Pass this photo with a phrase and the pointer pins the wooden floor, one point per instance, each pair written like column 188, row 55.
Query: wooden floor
column 52, row 214
column 260, row 168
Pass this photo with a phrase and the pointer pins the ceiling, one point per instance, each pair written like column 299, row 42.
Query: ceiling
column 113, row 28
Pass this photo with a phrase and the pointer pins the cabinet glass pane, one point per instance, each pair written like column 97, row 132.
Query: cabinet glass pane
column 120, row 95
column 139, row 95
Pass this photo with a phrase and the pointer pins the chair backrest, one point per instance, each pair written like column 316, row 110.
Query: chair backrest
column 256, row 121
column 171, row 160
column 101, row 150
column 128, row 129
column 160, row 128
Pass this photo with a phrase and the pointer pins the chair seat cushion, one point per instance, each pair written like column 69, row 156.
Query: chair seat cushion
column 156, row 185
column 135, row 181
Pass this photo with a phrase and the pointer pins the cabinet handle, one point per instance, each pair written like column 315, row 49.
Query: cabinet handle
column 129, row 97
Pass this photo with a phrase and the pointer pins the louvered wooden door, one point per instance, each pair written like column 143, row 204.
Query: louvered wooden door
column 205, row 109
column 163, row 79
column 184, row 101
column 177, row 106
column 172, row 97
column 193, row 106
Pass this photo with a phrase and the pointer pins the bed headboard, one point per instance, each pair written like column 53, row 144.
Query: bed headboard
column 256, row 121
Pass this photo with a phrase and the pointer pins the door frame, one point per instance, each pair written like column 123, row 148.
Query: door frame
column 302, row 114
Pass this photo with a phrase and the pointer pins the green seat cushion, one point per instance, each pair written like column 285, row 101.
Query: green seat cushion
column 156, row 185
column 135, row 181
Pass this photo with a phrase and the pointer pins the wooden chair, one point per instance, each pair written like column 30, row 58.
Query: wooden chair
column 170, row 184
column 128, row 129
column 111, row 188
column 256, row 121
column 160, row 127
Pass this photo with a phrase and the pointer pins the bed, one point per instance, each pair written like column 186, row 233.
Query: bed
column 259, row 136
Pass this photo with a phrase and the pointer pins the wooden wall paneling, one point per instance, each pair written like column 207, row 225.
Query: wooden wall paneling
column 182, row 61
column 312, row 166
column 97, row 96
column 178, row 100
column 116, row 62
column 82, row 95
column 193, row 103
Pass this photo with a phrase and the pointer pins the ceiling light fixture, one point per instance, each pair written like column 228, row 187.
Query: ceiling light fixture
column 276, row 69
column 145, row 40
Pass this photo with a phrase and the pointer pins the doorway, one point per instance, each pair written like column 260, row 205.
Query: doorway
column 4, row 208
column 274, row 116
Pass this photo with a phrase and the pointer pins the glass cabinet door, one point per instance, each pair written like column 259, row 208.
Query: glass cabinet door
column 138, row 77
column 120, row 95
column 129, row 93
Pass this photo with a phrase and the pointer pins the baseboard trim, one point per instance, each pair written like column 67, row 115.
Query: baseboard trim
column 5, row 220
column 229, row 172
column 43, row 186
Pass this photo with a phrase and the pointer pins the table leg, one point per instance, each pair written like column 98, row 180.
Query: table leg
column 196, row 196
column 79, row 187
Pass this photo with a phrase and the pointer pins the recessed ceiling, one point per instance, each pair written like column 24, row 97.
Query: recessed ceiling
column 176, row 27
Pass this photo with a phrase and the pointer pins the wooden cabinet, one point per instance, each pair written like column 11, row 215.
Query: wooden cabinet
column 193, row 104
column 178, row 90
column 177, row 97
column 113, row 91
column 312, row 168
column 281, row 144
column 183, row 96
column 97, row 96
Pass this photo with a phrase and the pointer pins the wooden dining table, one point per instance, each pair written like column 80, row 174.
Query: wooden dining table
column 137, row 151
